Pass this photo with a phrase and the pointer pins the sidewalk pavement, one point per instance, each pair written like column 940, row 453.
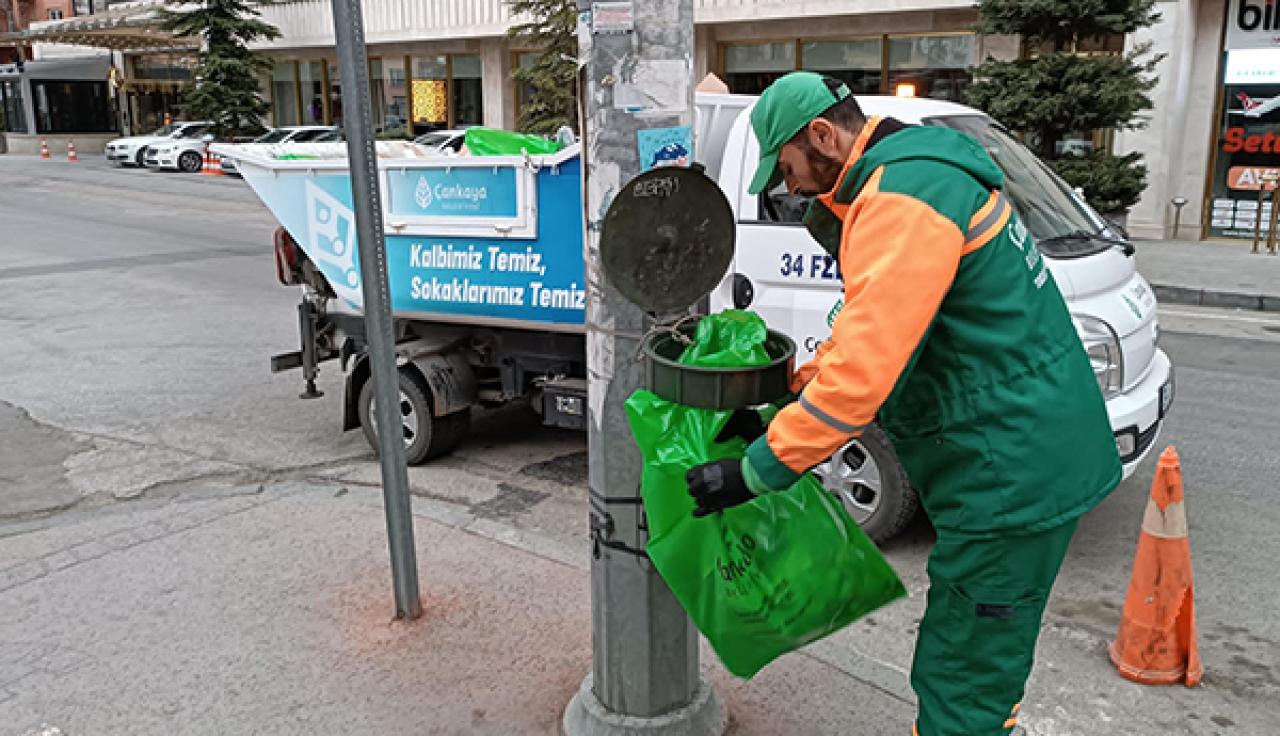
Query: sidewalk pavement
column 1211, row 274
column 270, row 612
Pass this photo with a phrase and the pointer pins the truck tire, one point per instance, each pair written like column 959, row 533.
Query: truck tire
column 872, row 485
column 426, row 435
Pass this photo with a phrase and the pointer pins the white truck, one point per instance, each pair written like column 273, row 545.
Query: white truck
column 528, row 343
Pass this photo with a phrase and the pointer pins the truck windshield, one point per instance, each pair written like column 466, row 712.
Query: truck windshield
column 1061, row 224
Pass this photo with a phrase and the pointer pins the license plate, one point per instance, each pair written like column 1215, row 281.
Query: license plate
column 1166, row 396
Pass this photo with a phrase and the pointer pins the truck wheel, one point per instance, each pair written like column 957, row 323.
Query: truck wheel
column 425, row 436
column 868, row 479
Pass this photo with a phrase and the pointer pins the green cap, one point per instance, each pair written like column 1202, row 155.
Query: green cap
column 783, row 110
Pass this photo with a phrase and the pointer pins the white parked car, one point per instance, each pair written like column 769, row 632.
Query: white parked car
column 178, row 154
column 289, row 134
column 442, row 141
column 132, row 151
column 780, row 272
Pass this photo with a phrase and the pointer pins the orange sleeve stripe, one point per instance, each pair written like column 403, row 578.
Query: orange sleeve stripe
column 987, row 222
column 895, row 278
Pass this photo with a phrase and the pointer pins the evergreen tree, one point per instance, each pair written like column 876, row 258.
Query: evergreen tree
column 1057, row 90
column 228, row 73
column 552, row 28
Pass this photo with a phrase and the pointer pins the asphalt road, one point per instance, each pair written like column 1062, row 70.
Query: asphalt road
column 138, row 311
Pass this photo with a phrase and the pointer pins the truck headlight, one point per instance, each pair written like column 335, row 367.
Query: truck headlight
column 1103, row 346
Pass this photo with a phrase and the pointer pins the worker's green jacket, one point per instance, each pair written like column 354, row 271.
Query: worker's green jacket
column 954, row 337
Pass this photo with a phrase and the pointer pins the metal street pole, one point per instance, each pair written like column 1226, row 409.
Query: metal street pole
column 637, row 74
column 353, row 65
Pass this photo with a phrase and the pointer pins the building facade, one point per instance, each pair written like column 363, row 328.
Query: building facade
column 1211, row 141
column 447, row 63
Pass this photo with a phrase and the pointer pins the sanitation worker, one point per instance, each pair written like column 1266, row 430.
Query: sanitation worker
column 955, row 338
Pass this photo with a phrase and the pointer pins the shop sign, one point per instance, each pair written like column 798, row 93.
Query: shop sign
column 1253, row 24
column 1252, row 178
column 1253, row 66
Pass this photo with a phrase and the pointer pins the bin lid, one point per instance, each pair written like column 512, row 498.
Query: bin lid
column 667, row 239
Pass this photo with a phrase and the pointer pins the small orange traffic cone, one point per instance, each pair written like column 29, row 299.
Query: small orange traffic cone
column 1156, row 644
column 212, row 164
column 71, row 150
column 44, row 149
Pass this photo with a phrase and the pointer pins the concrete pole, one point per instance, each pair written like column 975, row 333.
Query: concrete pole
column 637, row 73
column 353, row 65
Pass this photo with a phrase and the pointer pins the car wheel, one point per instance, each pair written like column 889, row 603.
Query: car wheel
column 426, row 436
column 139, row 159
column 872, row 485
column 190, row 162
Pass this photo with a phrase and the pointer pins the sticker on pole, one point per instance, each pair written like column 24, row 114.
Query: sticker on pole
column 661, row 147
column 613, row 18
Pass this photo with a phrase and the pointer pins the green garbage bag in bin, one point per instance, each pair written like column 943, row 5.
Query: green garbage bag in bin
column 764, row 578
column 494, row 142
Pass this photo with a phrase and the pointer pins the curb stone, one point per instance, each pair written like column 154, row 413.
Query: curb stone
column 1212, row 298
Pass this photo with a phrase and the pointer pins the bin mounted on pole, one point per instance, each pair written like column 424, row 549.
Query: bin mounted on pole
column 636, row 87
column 353, row 65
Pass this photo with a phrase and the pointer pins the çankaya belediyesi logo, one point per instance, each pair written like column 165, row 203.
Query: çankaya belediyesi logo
column 468, row 197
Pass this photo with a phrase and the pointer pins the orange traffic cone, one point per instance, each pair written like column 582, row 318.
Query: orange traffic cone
column 71, row 151
column 1156, row 644
column 44, row 149
column 212, row 164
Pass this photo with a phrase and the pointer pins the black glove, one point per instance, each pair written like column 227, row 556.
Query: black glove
column 744, row 423
column 717, row 486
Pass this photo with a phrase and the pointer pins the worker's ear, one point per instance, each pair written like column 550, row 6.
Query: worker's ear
column 824, row 137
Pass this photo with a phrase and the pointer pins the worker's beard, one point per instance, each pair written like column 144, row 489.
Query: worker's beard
column 824, row 169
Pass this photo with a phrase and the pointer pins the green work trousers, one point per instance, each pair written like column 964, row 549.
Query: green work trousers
column 977, row 640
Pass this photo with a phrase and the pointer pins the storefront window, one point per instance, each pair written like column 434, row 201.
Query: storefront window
column 72, row 107
column 919, row 66
column 468, row 91
column 284, row 94
column 171, row 67
column 15, row 119
column 311, row 81
column 389, row 99
column 856, row 63
column 749, row 68
column 447, row 91
column 931, row 66
column 335, row 95
column 1248, row 145
column 430, row 94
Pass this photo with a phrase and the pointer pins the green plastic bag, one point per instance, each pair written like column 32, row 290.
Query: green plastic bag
column 494, row 142
column 764, row 578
